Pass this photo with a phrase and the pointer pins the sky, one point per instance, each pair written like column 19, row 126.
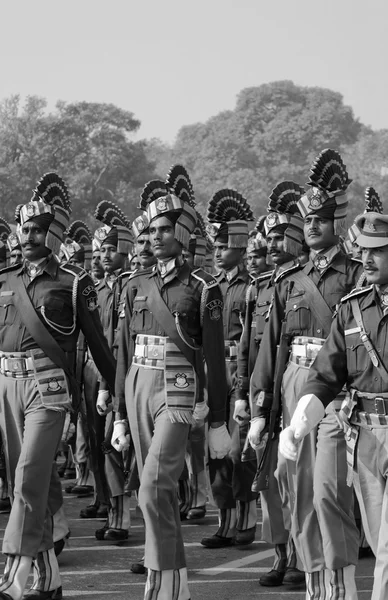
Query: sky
column 174, row 62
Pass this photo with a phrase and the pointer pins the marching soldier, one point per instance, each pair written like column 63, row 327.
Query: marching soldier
column 43, row 306
column 172, row 321
column 355, row 354
column 231, row 479
column 323, row 526
column 115, row 239
column 283, row 229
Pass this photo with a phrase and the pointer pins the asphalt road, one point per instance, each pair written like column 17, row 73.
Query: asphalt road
column 98, row 569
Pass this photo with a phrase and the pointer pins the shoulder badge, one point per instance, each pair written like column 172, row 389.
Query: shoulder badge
column 357, row 292
column 215, row 309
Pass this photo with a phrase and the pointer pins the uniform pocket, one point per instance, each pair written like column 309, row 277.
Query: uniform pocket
column 7, row 311
column 298, row 313
column 357, row 355
column 141, row 317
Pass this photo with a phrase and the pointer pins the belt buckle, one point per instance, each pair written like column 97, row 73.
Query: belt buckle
column 156, row 352
column 17, row 364
column 380, row 406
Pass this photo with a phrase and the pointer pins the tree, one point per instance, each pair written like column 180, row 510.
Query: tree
column 88, row 144
column 274, row 133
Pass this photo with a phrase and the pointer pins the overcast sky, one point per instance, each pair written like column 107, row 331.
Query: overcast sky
column 174, row 62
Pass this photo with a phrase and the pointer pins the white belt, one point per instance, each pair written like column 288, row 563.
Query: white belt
column 149, row 351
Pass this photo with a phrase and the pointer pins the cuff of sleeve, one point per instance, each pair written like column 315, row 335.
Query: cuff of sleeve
column 217, row 416
column 264, row 399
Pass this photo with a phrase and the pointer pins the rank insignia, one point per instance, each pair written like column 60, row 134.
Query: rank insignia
column 30, row 210
column 384, row 299
column 316, row 199
column 91, row 303
column 321, row 262
column 53, row 385
column 272, row 220
column 181, row 381
column 215, row 309
column 161, row 204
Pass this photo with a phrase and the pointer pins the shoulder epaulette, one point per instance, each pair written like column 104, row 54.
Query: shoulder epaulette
column 264, row 276
column 140, row 272
column 73, row 270
column 283, row 274
column 126, row 275
column 205, row 277
column 10, row 268
column 357, row 292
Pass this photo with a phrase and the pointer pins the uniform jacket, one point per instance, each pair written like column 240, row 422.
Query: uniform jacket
column 343, row 358
column 234, row 294
column 292, row 304
column 55, row 293
column 200, row 316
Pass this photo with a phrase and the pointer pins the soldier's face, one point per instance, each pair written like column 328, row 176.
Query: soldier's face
column 375, row 261
column 32, row 241
column 163, row 243
column 144, row 251
column 227, row 258
column 97, row 268
column 319, row 232
column 111, row 259
column 256, row 264
column 16, row 257
column 275, row 248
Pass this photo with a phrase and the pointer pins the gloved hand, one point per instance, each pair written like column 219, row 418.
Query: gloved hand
column 201, row 411
column 220, row 442
column 102, row 406
column 307, row 415
column 255, row 433
column 241, row 412
column 120, row 437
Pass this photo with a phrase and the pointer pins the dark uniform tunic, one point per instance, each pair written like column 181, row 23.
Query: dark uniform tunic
column 232, row 479
column 34, row 392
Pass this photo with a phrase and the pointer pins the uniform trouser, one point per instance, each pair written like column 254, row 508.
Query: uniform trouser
column 195, row 459
column 323, row 526
column 96, row 427
column 276, row 513
column 160, row 447
column 31, row 434
column 81, row 454
column 370, row 482
column 231, row 479
column 114, row 467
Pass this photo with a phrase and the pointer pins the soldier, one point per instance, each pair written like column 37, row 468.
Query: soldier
column 256, row 254
column 322, row 526
column 193, row 483
column 115, row 239
column 355, row 355
column 283, row 229
column 172, row 321
column 77, row 250
column 43, row 305
column 231, row 480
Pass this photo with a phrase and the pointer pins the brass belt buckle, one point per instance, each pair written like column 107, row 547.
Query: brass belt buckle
column 380, row 406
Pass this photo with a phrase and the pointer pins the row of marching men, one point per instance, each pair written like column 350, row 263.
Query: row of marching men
column 233, row 349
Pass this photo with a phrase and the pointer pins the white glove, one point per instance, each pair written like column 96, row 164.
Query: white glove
column 307, row 415
column 241, row 414
column 120, row 437
column 255, row 433
column 201, row 411
column 220, row 442
column 102, row 406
